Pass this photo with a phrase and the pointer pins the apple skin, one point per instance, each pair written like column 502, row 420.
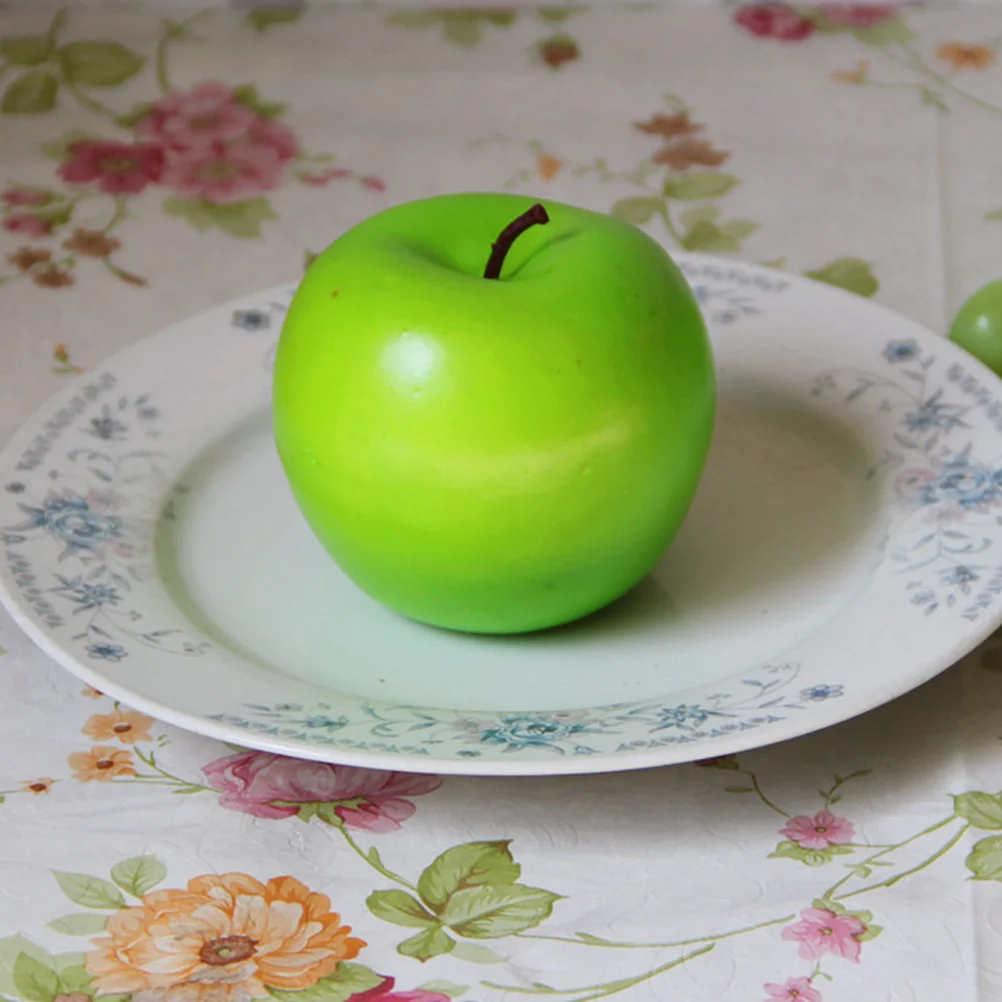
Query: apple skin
column 493, row 456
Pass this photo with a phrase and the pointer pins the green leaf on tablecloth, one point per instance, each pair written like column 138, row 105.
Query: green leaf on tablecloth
column 994, row 216
column 883, row 33
column 420, row 18
column 32, row 93
column 449, row 988
column 981, row 810
column 34, row 980
column 247, row 95
column 24, row 50
column 263, row 18
column 635, row 210
column 11, row 947
column 75, row 979
column 58, row 149
column 493, row 911
column 79, row 924
column 933, row 98
column 556, row 15
column 704, row 184
column 711, row 238
column 474, row 953
column 90, row 892
column 134, row 114
column 472, row 864
column 346, row 981
column 699, row 214
column 139, row 874
column 871, row 932
column 63, row 961
column 98, row 64
column 740, row 229
column 427, row 944
column 823, row 25
column 985, row 859
column 849, row 273
column 240, row 219
column 400, row 908
column 465, row 30
column 811, row 857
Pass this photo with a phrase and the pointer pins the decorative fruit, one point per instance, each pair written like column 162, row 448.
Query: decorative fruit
column 494, row 449
column 977, row 327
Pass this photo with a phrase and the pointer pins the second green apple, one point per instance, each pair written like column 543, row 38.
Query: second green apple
column 494, row 454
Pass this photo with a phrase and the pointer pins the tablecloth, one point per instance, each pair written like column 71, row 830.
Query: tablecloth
column 158, row 159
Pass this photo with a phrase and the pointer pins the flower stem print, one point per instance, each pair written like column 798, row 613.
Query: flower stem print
column 938, row 81
column 470, row 894
column 216, row 151
column 678, row 187
column 467, row 26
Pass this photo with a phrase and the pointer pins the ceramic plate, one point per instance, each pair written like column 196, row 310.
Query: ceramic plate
column 845, row 546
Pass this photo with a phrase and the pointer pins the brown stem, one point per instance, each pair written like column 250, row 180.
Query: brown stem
column 534, row 216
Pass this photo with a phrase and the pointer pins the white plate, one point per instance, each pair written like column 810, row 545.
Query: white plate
column 845, row 546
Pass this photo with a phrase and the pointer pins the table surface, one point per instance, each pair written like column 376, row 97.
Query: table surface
column 158, row 160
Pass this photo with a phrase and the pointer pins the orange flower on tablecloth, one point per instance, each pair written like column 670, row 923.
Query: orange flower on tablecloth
column 547, row 166
column 557, row 51
column 856, row 76
column 669, row 126
column 92, row 243
column 38, row 786
column 102, row 764
column 52, row 277
column 691, row 152
column 25, row 258
column 225, row 938
column 88, row 690
column 127, row 726
column 963, row 57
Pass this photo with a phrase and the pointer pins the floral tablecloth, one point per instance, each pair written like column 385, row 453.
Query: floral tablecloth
column 159, row 159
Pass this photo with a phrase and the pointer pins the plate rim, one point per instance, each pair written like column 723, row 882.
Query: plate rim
column 884, row 690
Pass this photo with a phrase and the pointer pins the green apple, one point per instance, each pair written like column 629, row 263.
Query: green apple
column 494, row 449
column 977, row 326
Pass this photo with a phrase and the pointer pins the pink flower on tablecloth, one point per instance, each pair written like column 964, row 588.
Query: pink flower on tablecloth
column 385, row 993
column 221, row 173
column 206, row 114
column 24, row 196
column 795, row 990
column 821, row 931
column 116, row 168
column 27, row 226
column 858, row 15
column 278, row 137
column 774, row 20
column 373, row 183
column 818, row 832
column 272, row 786
column 324, row 177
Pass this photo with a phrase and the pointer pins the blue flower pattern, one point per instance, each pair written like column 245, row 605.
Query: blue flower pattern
column 99, row 532
column 951, row 484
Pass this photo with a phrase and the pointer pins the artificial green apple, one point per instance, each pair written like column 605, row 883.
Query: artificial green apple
column 493, row 454
column 977, row 326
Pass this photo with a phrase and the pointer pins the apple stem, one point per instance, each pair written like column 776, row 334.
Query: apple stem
column 536, row 215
